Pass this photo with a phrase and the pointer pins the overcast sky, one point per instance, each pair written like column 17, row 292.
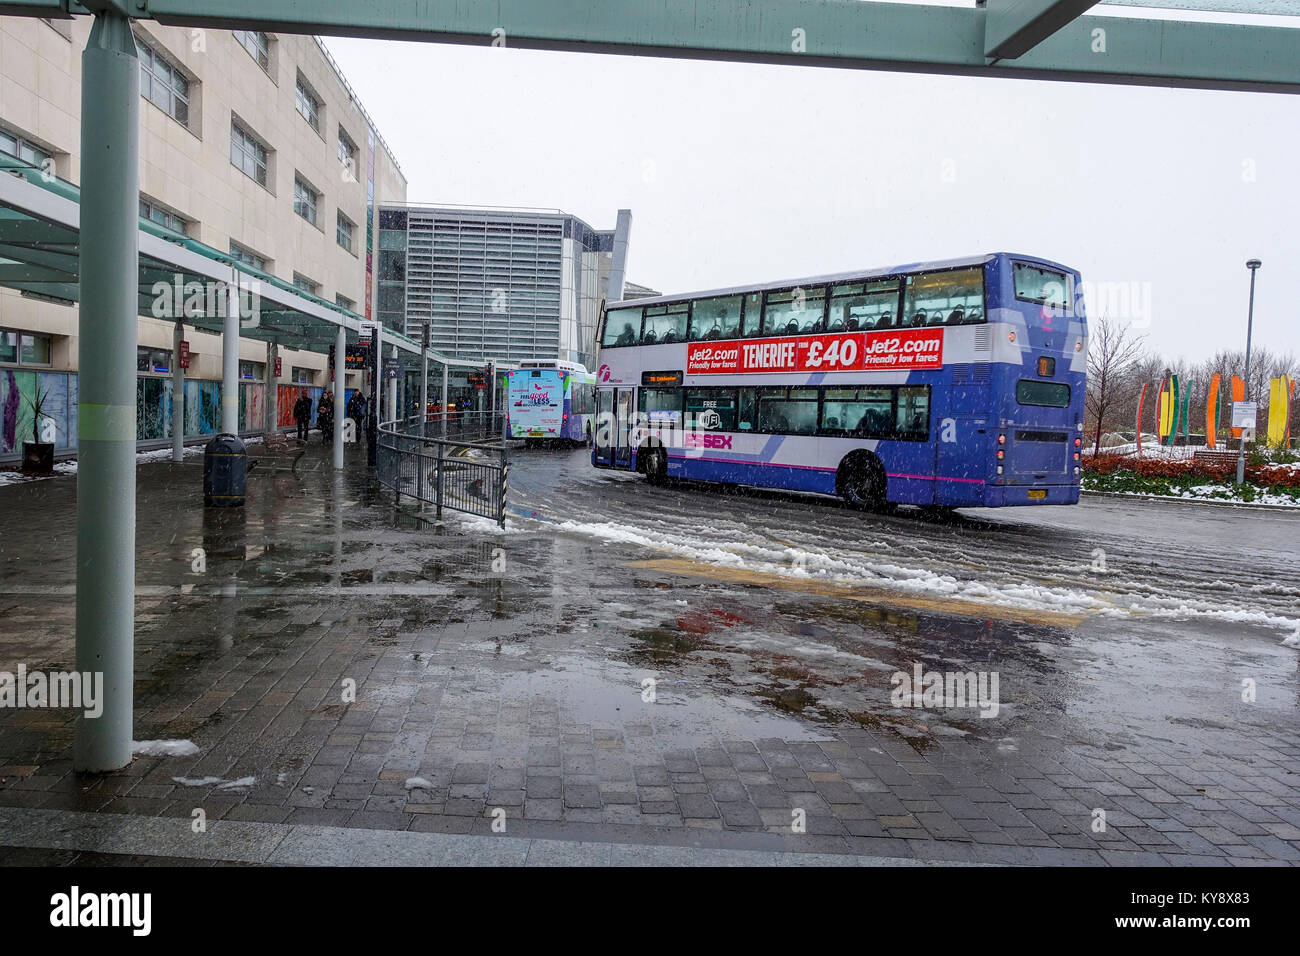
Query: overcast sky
column 740, row 173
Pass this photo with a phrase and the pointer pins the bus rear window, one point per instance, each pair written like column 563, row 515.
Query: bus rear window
column 1042, row 286
column 1050, row 394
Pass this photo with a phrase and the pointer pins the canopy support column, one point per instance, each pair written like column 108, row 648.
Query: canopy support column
column 444, row 398
column 178, row 395
column 230, row 362
column 340, row 347
column 270, row 425
column 392, row 390
column 424, row 381
column 109, row 267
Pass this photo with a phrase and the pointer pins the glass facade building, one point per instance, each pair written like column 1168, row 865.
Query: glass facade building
column 498, row 284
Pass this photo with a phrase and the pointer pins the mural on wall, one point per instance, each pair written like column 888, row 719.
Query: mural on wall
column 288, row 396
column 252, row 407
column 151, row 408
column 16, row 424
column 153, row 402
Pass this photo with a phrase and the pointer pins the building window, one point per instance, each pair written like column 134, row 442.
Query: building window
column 247, row 154
column 308, row 105
column 344, row 234
column 344, row 302
column 347, row 157
column 257, row 44
column 304, row 200
column 24, row 348
column 252, row 259
column 304, row 284
column 164, row 85
column 168, row 220
column 302, row 376
column 252, row 371
column 153, row 360
column 11, row 144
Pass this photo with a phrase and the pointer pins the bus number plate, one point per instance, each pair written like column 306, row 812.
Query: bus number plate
column 1037, row 493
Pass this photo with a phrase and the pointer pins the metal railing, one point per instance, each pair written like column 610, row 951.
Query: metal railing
column 458, row 461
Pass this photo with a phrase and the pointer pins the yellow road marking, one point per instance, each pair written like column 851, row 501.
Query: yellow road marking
column 857, row 592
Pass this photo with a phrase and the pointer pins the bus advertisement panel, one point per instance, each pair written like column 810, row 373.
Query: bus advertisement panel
column 944, row 384
column 549, row 402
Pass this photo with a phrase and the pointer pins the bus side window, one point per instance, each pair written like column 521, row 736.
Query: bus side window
column 753, row 314
column 913, row 412
column 747, row 410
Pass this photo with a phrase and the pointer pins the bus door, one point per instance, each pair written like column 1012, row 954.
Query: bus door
column 604, row 431
column 961, row 460
column 624, row 408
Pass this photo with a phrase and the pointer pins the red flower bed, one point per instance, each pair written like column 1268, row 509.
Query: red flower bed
column 1265, row 476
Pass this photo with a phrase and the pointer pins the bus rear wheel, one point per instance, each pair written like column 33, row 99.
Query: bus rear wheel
column 862, row 483
column 656, row 466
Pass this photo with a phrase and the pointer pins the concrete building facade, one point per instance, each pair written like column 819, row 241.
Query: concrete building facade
column 497, row 284
column 251, row 143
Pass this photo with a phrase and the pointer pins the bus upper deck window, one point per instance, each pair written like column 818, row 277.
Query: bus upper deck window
column 1043, row 286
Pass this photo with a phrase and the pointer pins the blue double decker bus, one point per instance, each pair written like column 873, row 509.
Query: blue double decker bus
column 946, row 384
column 549, row 402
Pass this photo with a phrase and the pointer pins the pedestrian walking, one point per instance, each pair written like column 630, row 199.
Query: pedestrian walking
column 325, row 418
column 302, row 414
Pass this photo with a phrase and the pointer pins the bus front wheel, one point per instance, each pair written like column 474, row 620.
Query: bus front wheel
column 656, row 466
column 862, row 483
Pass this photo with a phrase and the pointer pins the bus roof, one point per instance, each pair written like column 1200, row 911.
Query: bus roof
column 933, row 266
column 560, row 364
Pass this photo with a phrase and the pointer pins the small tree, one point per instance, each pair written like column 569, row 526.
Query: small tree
column 40, row 397
column 1114, row 353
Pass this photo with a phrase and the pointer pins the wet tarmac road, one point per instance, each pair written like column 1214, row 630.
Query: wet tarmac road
column 1107, row 555
column 512, row 669
column 1107, row 617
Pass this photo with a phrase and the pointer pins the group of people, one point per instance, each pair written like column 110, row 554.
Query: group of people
column 356, row 410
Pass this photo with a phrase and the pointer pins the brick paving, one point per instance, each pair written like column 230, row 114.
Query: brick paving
column 518, row 696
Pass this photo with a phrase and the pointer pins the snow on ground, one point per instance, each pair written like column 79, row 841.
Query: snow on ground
column 843, row 568
column 243, row 783
column 1215, row 493
column 164, row 748
column 12, row 476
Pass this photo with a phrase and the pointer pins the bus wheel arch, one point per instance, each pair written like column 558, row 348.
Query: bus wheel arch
column 862, row 482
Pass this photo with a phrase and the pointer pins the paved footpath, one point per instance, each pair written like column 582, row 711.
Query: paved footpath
column 483, row 695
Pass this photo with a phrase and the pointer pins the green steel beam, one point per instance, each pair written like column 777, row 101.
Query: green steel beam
column 66, row 290
column 33, row 8
column 21, row 272
column 1014, row 27
column 33, row 231
column 831, row 33
column 67, row 262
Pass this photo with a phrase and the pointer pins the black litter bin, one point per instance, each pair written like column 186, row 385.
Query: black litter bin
column 225, row 472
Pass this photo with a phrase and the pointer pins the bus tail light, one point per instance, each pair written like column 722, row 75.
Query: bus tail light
column 1001, row 454
column 1011, row 336
column 999, row 469
column 1078, row 346
column 1078, row 442
column 1076, row 456
column 1002, row 439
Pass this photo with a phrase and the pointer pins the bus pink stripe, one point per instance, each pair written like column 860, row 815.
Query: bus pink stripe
column 773, row 464
column 969, row 481
column 741, row 461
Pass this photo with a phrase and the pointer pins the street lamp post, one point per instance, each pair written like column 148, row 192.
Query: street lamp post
column 1252, row 265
